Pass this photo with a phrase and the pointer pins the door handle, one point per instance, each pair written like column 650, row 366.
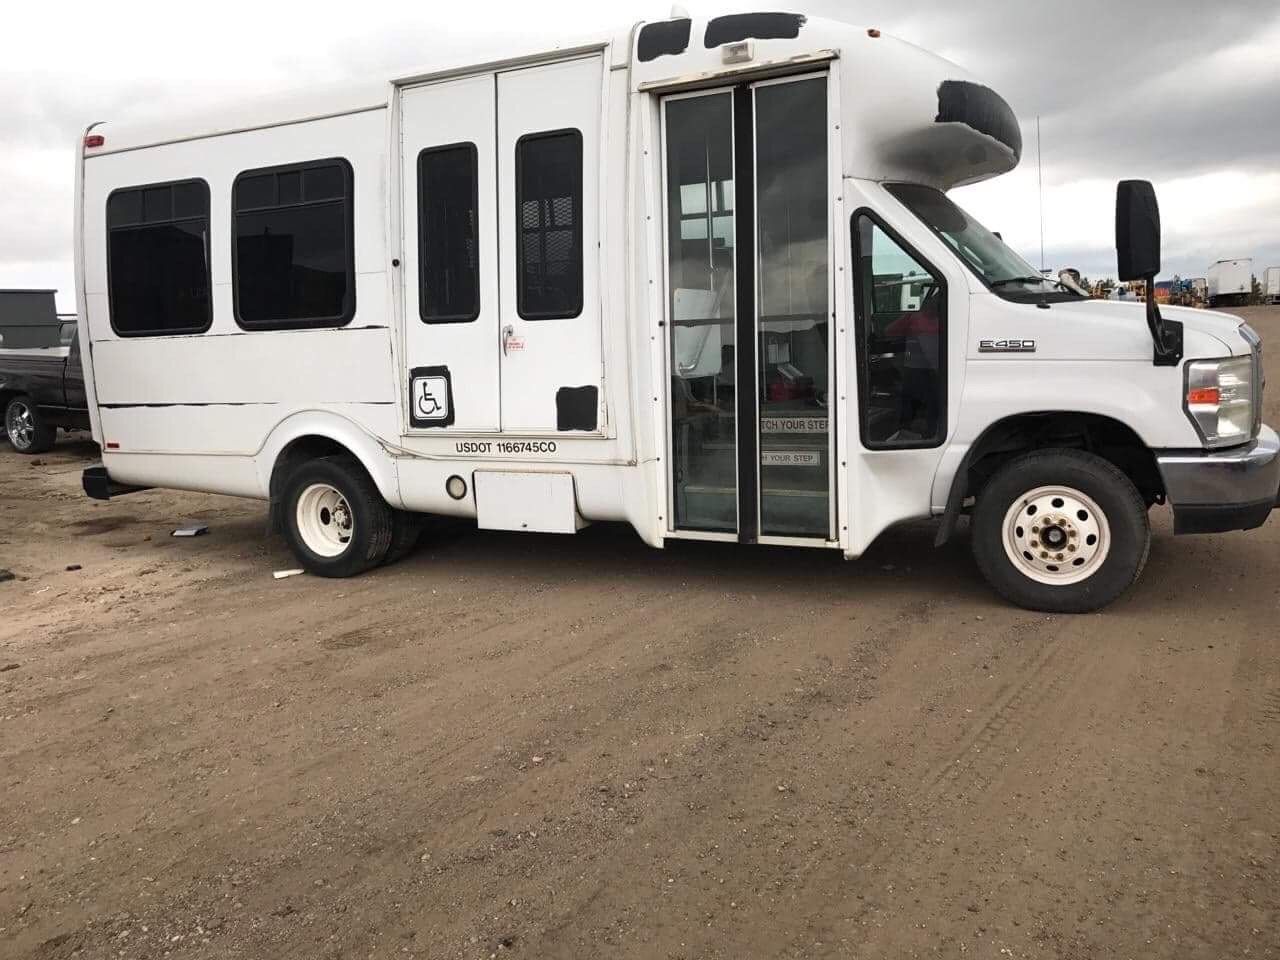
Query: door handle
column 507, row 333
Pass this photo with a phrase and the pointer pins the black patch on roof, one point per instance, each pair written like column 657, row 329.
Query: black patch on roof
column 662, row 38
column 753, row 26
column 981, row 108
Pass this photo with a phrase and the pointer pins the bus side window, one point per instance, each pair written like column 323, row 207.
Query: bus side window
column 448, row 244
column 549, row 226
column 293, row 258
column 901, row 314
column 158, row 259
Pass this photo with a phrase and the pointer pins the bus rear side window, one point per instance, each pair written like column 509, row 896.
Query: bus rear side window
column 292, row 249
column 448, row 262
column 549, row 225
column 158, row 259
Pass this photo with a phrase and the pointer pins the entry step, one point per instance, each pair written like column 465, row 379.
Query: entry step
column 778, row 453
column 708, row 491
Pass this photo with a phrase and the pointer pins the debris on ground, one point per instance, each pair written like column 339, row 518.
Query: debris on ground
column 282, row 574
column 195, row 530
column 7, row 575
column 73, row 566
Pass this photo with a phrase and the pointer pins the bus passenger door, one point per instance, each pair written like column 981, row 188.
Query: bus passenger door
column 548, row 240
column 747, row 182
column 450, row 270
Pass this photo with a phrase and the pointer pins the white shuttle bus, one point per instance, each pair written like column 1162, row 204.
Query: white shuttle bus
column 701, row 277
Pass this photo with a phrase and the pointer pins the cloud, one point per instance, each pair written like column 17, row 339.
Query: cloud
column 1204, row 217
column 1146, row 88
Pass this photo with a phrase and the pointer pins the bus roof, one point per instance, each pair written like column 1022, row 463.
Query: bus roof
column 905, row 113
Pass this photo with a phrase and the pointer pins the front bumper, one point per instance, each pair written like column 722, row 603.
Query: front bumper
column 1213, row 491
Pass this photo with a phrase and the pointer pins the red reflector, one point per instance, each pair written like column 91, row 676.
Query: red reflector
column 94, row 140
column 112, row 445
column 1203, row 395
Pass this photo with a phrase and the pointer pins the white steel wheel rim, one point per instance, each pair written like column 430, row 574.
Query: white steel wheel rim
column 1056, row 535
column 19, row 425
column 325, row 520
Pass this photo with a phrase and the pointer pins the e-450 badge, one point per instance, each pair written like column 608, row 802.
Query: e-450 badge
column 1006, row 346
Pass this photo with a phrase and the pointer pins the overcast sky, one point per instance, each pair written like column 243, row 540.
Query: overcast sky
column 1179, row 92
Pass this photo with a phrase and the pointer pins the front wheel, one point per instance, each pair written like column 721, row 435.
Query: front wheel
column 335, row 520
column 1062, row 531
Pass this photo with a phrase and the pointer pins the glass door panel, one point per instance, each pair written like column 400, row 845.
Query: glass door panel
column 698, row 135
column 793, row 365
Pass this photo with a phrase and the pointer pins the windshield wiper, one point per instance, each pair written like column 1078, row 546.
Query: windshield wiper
column 1008, row 280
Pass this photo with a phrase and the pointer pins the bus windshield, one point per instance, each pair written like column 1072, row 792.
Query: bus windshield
column 998, row 267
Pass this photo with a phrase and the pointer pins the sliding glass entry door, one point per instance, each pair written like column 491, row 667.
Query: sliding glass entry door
column 746, row 184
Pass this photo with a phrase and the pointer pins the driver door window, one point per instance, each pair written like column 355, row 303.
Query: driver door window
column 901, row 313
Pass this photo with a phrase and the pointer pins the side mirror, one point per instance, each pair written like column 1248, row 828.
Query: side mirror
column 1137, row 230
column 1138, row 258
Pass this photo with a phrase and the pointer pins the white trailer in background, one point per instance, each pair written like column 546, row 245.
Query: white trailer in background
column 701, row 277
column 1230, row 283
column 1271, row 285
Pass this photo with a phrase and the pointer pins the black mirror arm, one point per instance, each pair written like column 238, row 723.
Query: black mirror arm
column 1166, row 335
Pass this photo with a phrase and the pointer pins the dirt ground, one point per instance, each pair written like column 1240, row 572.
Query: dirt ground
column 581, row 747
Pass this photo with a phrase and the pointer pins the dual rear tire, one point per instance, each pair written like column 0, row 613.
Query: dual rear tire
column 337, row 523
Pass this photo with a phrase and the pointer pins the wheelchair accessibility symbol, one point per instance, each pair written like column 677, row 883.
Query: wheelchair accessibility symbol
column 431, row 398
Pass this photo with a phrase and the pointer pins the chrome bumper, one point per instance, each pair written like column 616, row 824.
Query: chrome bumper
column 1213, row 491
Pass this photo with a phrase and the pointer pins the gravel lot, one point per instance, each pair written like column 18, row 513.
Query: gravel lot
column 581, row 747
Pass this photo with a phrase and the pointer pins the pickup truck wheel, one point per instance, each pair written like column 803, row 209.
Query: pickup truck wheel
column 335, row 520
column 27, row 429
column 1062, row 531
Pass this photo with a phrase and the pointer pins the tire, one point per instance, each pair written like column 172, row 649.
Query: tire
column 335, row 520
column 406, row 528
column 27, row 428
column 1100, row 537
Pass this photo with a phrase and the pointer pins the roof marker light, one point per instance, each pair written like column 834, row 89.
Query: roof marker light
column 94, row 139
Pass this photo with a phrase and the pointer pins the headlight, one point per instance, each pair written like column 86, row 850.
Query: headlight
column 1220, row 400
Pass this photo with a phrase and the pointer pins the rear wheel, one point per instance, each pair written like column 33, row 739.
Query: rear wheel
column 1060, row 530
column 27, row 428
column 406, row 530
column 335, row 520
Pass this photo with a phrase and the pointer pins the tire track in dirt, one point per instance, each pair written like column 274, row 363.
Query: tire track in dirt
column 967, row 770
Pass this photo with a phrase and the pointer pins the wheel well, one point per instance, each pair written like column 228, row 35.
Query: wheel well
column 295, row 453
column 1099, row 435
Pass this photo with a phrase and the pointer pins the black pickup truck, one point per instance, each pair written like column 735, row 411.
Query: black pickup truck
column 41, row 389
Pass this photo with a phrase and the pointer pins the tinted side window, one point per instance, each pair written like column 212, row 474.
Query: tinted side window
column 158, row 259
column 549, row 225
column 902, row 326
column 448, row 259
column 292, row 249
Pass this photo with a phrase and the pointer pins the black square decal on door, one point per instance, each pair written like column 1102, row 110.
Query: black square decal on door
column 430, row 397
